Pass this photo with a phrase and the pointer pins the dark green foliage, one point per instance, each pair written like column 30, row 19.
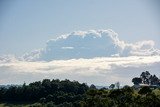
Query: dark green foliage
column 145, row 90
column 137, row 80
column 93, row 86
column 112, row 86
column 45, row 91
column 146, row 78
column 65, row 93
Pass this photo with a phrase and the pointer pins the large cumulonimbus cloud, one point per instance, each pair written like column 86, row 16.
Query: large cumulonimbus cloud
column 90, row 44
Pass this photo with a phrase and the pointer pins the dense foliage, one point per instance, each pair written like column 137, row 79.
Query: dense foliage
column 146, row 78
column 65, row 93
column 56, row 91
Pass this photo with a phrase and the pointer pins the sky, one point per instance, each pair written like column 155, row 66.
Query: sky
column 92, row 41
column 27, row 25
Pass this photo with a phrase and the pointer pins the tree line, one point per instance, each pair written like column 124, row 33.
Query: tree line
column 66, row 93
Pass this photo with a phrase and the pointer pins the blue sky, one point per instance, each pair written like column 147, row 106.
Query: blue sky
column 93, row 41
column 26, row 25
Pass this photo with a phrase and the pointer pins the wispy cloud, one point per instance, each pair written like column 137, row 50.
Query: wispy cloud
column 97, row 70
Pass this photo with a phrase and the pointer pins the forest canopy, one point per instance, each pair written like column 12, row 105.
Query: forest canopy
column 66, row 93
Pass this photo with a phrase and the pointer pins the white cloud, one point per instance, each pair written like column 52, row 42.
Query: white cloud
column 8, row 58
column 90, row 44
column 95, row 56
column 67, row 47
column 100, row 71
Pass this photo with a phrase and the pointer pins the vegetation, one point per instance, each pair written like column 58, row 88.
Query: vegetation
column 146, row 78
column 65, row 93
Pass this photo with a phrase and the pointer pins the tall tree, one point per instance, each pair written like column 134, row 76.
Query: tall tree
column 117, row 84
column 137, row 80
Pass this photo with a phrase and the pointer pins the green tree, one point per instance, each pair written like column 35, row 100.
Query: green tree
column 92, row 86
column 136, row 80
column 112, row 86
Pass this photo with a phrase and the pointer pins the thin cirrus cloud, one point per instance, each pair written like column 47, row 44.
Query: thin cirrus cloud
column 95, row 56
